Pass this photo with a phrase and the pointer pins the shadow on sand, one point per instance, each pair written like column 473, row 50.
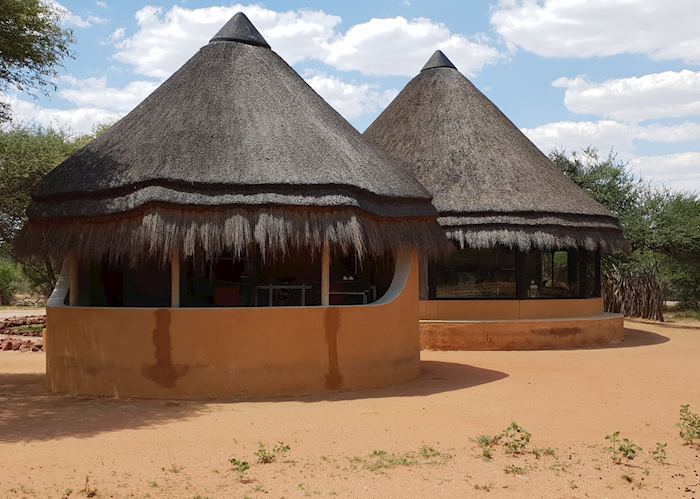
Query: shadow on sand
column 28, row 411
column 435, row 377
column 636, row 338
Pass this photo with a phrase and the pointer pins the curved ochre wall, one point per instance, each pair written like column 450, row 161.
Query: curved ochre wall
column 516, row 324
column 236, row 352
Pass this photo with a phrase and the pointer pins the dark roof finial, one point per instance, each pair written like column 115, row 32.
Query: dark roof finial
column 438, row 60
column 240, row 29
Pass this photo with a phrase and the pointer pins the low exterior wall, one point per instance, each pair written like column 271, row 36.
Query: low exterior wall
column 236, row 352
column 525, row 334
column 476, row 310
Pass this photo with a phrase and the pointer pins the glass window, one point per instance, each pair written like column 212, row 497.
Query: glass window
column 549, row 275
column 473, row 273
column 482, row 274
column 559, row 274
column 356, row 281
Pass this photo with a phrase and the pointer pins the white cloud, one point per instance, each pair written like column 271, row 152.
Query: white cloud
column 100, row 4
column 607, row 135
column 658, row 95
column 75, row 121
column 94, row 92
column 662, row 30
column 398, row 46
column 94, row 103
column 117, row 35
column 350, row 99
column 680, row 171
column 164, row 40
column 72, row 19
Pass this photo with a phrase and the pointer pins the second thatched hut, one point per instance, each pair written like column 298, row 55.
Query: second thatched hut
column 527, row 270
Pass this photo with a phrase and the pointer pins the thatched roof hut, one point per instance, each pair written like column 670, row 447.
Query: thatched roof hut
column 490, row 183
column 233, row 150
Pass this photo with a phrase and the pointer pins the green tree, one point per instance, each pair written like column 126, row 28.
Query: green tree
column 26, row 155
column 662, row 226
column 32, row 46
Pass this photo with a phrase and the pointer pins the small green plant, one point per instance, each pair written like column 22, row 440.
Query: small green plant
column 239, row 466
column 380, row 460
column 487, row 442
column 88, row 491
column 486, row 487
column 659, row 453
column 621, row 448
column 266, row 455
column 689, row 425
column 515, row 438
column 428, row 452
column 547, row 451
column 512, row 469
column 173, row 468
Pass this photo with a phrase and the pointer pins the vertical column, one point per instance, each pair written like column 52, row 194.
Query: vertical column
column 326, row 275
column 175, row 279
column 74, row 278
column 596, row 289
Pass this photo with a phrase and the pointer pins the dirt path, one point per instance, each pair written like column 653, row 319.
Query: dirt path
column 568, row 399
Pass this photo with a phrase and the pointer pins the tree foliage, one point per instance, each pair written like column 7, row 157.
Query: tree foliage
column 32, row 46
column 26, row 155
column 662, row 226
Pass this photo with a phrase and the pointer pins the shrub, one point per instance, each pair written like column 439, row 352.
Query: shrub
column 689, row 425
column 10, row 280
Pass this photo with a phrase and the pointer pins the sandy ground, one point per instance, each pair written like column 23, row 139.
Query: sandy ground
column 568, row 399
column 6, row 312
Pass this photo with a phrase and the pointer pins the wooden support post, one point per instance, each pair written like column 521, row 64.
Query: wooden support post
column 175, row 279
column 74, row 280
column 326, row 275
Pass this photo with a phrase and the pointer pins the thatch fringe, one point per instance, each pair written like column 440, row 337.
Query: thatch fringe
column 158, row 231
column 541, row 238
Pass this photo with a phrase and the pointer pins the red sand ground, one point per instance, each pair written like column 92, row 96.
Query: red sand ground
column 568, row 399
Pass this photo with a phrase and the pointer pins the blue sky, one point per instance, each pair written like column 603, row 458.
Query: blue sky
column 569, row 73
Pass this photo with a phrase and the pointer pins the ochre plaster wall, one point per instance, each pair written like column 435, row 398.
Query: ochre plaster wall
column 486, row 310
column 234, row 352
column 521, row 334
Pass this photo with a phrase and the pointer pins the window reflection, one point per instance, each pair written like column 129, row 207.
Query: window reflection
column 504, row 273
column 472, row 273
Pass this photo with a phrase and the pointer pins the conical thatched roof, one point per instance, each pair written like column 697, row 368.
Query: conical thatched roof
column 233, row 149
column 490, row 184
